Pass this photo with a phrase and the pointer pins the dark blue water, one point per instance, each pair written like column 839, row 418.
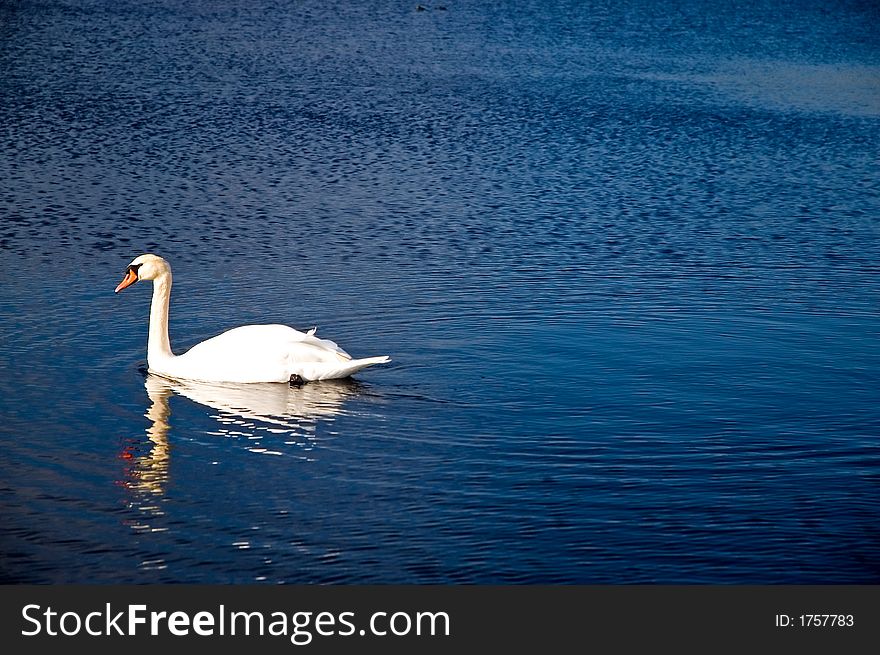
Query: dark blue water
column 624, row 256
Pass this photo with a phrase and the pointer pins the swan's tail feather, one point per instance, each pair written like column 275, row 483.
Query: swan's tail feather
column 350, row 367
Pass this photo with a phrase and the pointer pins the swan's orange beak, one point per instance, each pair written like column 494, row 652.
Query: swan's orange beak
column 129, row 279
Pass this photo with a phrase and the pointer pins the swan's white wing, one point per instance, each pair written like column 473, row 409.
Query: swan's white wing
column 310, row 338
column 259, row 353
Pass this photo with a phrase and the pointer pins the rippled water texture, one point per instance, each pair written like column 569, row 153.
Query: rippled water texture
column 624, row 257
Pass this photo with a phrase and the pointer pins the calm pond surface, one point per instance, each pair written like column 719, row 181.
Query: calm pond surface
column 624, row 257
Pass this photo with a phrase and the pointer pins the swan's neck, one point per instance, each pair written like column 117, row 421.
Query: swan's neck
column 158, row 344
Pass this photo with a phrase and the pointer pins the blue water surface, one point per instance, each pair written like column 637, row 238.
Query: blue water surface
column 624, row 256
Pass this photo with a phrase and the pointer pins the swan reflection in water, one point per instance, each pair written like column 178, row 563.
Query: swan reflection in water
column 287, row 416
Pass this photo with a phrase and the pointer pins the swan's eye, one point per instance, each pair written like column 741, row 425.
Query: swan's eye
column 134, row 268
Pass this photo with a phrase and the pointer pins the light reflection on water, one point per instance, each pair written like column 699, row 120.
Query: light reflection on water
column 842, row 88
column 285, row 415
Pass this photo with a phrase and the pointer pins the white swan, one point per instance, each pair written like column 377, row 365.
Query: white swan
column 251, row 353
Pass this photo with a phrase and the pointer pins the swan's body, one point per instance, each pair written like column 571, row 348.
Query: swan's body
column 252, row 353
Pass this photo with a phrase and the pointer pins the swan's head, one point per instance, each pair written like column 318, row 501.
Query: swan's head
column 145, row 267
